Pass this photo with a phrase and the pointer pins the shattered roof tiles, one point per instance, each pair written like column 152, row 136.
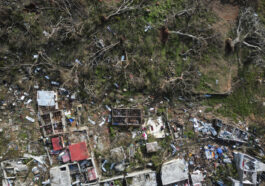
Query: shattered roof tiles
column 78, row 151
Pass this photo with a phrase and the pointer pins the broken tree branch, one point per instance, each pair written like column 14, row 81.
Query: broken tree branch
column 124, row 7
column 187, row 35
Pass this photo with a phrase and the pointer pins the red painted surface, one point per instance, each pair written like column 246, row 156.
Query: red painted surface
column 78, row 151
column 56, row 144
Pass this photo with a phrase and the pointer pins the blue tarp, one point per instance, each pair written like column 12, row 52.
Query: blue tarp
column 219, row 151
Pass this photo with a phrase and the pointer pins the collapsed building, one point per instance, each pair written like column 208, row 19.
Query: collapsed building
column 76, row 164
column 10, row 169
column 127, row 117
column 143, row 178
column 177, row 127
column 52, row 121
column 155, row 127
column 16, row 172
column 248, row 169
column 230, row 133
column 140, row 178
column 203, row 127
column 81, row 169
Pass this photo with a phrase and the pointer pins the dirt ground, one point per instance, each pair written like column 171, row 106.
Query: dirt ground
column 227, row 69
column 227, row 14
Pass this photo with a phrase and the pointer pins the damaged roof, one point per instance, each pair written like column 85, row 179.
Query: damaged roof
column 91, row 174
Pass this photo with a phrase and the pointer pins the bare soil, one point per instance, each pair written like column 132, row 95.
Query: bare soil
column 220, row 69
column 227, row 14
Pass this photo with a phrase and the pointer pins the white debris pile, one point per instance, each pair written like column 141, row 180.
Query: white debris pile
column 205, row 128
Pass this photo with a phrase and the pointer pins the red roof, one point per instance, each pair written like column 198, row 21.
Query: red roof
column 91, row 174
column 66, row 157
column 56, row 143
column 78, row 151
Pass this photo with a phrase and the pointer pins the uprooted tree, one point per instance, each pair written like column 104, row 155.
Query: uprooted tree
column 249, row 33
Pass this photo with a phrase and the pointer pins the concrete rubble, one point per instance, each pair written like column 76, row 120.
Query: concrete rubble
column 155, row 127
column 123, row 145
column 248, row 169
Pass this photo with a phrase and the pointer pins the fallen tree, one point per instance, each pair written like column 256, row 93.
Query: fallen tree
column 249, row 33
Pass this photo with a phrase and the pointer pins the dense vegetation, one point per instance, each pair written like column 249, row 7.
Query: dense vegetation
column 136, row 49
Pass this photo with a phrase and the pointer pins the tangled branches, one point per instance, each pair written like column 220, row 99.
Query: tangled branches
column 251, row 34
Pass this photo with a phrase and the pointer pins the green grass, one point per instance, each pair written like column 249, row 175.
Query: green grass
column 243, row 101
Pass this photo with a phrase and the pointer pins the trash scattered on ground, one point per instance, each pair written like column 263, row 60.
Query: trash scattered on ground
column 30, row 119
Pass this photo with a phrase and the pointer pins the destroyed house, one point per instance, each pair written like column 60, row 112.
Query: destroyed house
column 230, row 133
column 81, row 170
column 83, row 162
column 126, row 117
column 13, row 171
column 143, row 178
column 52, row 123
column 155, row 127
column 248, row 168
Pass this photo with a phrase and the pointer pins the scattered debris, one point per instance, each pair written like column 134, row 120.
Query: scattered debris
column 155, row 127
column 30, row 119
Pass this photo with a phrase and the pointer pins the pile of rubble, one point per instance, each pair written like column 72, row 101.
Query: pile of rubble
column 74, row 154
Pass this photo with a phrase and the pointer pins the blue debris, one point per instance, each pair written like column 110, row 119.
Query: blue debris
column 174, row 150
column 219, row 151
column 116, row 85
column 103, row 164
column 207, row 95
